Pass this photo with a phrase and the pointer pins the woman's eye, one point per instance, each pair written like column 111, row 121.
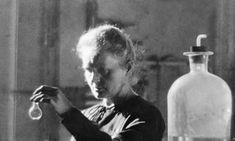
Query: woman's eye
column 88, row 69
column 104, row 72
column 107, row 72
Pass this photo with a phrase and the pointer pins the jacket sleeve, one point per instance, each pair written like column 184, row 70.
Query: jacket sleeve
column 81, row 128
column 150, row 129
column 84, row 130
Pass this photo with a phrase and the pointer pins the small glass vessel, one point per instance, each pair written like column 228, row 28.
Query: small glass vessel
column 199, row 102
column 35, row 112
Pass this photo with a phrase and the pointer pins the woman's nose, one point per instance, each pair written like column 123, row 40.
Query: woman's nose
column 96, row 78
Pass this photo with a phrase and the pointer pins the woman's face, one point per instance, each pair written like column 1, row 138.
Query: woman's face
column 105, row 76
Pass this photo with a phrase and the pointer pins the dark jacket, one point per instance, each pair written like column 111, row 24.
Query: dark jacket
column 132, row 120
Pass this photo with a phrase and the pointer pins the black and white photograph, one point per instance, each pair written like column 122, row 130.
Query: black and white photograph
column 117, row 70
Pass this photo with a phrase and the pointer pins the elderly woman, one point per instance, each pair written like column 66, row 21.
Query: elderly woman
column 108, row 57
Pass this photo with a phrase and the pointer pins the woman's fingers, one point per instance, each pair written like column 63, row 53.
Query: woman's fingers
column 45, row 94
column 40, row 97
column 45, row 100
column 47, row 90
column 38, row 90
column 52, row 95
column 50, row 91
column 34, row 96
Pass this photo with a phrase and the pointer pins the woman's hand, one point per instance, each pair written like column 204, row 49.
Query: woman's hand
column 52, row 95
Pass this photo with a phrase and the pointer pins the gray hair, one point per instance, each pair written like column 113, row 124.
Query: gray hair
column 106, row 38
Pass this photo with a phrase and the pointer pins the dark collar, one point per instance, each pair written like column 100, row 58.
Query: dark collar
column 127, row 103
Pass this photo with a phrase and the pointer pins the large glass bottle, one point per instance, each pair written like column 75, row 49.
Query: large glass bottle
column 199, row 103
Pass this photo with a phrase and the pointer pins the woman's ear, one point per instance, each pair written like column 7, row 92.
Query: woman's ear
column 128, row 67
column 133, row 80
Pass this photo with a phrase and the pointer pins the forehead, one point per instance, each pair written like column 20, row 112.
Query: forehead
column 106, row 60
column 111, row 61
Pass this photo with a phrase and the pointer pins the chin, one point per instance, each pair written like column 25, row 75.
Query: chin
column 99, row 95
column 102, row 95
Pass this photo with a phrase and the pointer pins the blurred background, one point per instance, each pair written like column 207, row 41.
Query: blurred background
column 38, row 37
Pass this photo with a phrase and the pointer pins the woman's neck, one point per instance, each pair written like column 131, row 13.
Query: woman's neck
column 123, row 96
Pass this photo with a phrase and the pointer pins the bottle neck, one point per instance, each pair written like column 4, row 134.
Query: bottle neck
column 198, row 63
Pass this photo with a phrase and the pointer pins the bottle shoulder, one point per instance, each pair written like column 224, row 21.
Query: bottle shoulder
column 191, row 77
column 199, row 80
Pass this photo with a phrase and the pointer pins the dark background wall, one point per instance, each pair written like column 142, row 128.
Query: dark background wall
column 37, row 39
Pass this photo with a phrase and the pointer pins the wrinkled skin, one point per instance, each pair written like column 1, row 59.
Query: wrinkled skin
column 105, row 77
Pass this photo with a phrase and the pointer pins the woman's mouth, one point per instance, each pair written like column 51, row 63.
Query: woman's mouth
column 99, row 90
